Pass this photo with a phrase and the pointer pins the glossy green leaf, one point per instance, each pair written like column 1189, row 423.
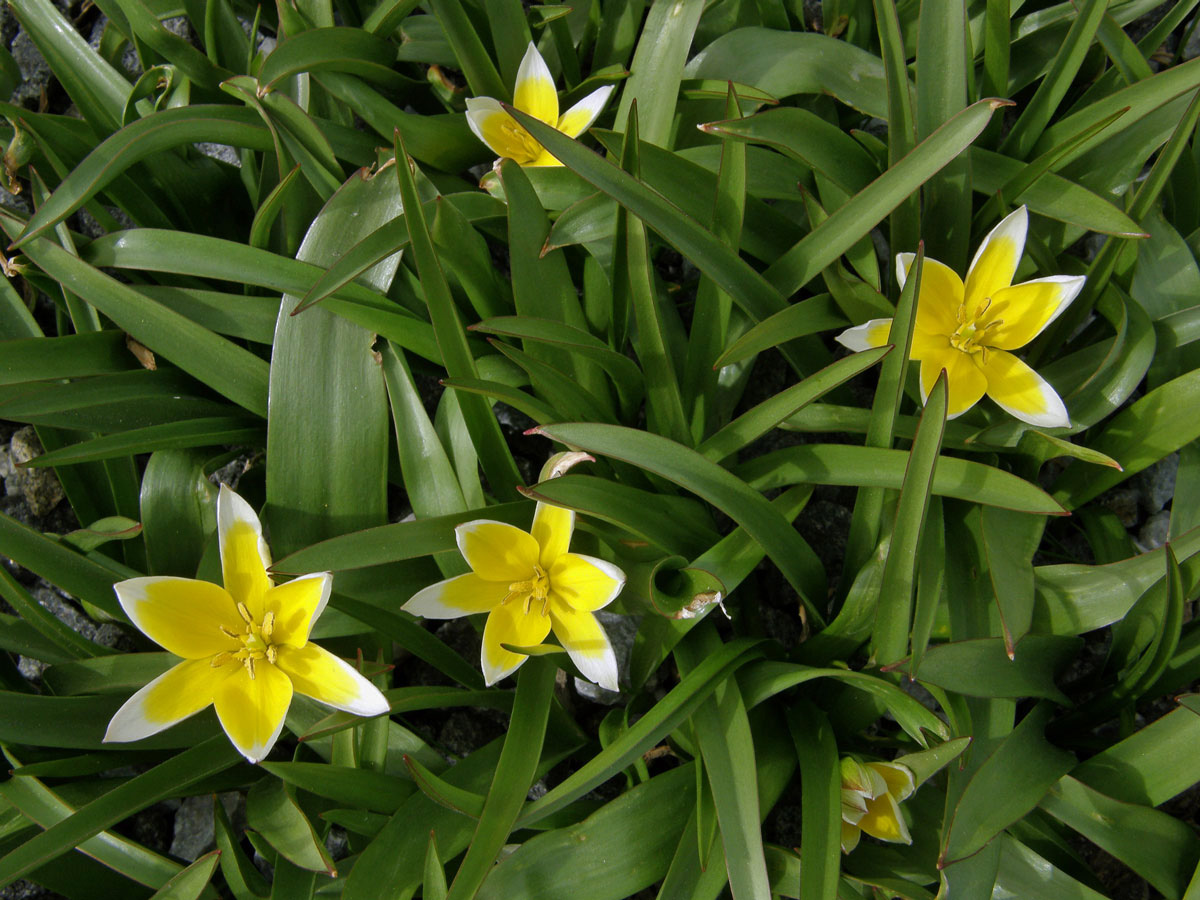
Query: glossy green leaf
column 191, row 882
column 982, row 668
column 273, row 813
column 693, row 472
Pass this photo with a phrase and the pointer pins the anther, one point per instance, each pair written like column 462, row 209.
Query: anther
column 272, row 654
column 249, row 664
column 228, row 633
column 244, row 613
column 268, row 625
column 221, row 659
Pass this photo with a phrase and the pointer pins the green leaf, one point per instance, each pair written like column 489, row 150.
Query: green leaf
column 1153, row 764
column 862, row 212
column 164, row 780
column 638, row 829
column 272, row 811
column 982, row 668
column 877, row 467
column 1157, row 846
column 327, row 437
column 756, row 422
column 821, row 809
column 810, row 316
column 893, row 618
column 1007, row 786
column 488, row 440
column 178, row 506
column 37, row 359
column 43, row 806
column 215, row 431
column 351, row 50
column 357, row 788
column 709, row 481
column 191, row 882
column 513, row 776
column 784, row 64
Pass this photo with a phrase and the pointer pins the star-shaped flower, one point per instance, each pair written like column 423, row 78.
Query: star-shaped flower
column 534, row 93
column 245, row 646
column 871, row 795
column 969, row 329
column 528, row 583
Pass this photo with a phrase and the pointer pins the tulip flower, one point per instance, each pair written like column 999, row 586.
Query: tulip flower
column 534, row 94
column 529, row 584
column 245, row 646
column 871, row 795
column 969, row 329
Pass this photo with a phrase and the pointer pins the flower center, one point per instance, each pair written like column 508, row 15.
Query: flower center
column 521, row 140
column 255, row 640
column 536, row 588
column 971, row 335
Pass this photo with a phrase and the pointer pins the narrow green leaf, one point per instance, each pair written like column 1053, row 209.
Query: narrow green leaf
column 191, row 882
column 693, row 472
column 273, row 813
column 821, row 810
column 982, row 668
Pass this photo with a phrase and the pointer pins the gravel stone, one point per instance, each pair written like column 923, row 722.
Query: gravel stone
column 38, row 487
column 1157, row 483
column 1153, row 533
column 35, row 73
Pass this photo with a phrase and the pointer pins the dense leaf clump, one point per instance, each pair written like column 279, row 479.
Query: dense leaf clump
column 687, row 386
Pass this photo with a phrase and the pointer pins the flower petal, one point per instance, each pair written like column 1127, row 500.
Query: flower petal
column 584, row 638
column 898, row 777
column 251, row 710
column 585, row 582
column 966, row 384
column 508, row 623
column 1020, row 313
column 579, row 118
column 872, row 333
column 1022, row 392
column 174, row 695
column 884, row 820
column 317, row 673
column 940, row 298
column 534, row 92
column 297, row 605
column 552, row 527
column 244, row 554
column 454, row 597
column 496, row 551
column 996, row 260
column 850, row 837
column 181, row 614
column 500, row 131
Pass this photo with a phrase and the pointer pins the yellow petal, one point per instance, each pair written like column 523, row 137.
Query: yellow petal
column 872, row 333
column 579, row 118
column 244, row 554
column 552, row 527
column 297, row 605
column 1020, row 313
column 251, row 710
column 510, row 624
column 585, row 582
column 1022, row 392
column 898, row 777
column 317, row 673
column 496, row 551
column 996, row 260
column 850, row 837
column 454, row 597
column 500, row 131
column 181, row 614
column 883, row 820
column 174, row 695
column 542, row 160
column 586, row 643
column 966, row 383
column 534, row 92
column 940, row 298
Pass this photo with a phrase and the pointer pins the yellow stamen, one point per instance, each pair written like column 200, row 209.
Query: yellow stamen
column 245, row 614
column 268, row 625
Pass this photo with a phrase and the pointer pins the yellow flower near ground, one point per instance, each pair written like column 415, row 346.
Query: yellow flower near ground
column 969, row 329
column 529, row 584
column 534, row 94
column 245, row 646
column 871, row 795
